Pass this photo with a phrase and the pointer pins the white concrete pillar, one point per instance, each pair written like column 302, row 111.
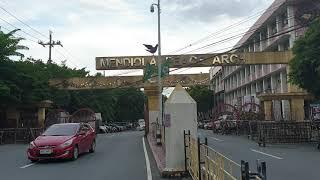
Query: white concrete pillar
column 181, row 114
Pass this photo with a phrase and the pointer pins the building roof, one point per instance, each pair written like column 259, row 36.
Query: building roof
column 260, row 22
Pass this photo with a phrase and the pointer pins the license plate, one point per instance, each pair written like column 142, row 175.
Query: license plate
column 45, row 151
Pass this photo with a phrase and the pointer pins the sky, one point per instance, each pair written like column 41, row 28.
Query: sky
column 91, row 28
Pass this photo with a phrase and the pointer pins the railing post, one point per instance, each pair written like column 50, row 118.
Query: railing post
column 245, row 170
column 185, row 150
column 15, row 135
column 199, row 160
column 264, row 170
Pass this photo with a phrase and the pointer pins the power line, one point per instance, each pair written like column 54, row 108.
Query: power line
column 230, row 38
column 234, row 48
column 35, row 30
column 19, row 29
column 15, row 17
column 214, row 34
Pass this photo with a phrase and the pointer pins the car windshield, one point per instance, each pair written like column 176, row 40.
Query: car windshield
column 61, row 130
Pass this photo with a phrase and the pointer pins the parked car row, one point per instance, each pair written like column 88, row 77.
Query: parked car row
column 112, row 128
column 205, row 125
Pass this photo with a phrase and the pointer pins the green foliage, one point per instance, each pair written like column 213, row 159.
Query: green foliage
column 26, row 83
column 305, row 66
column 9, row 45
column 203, row 96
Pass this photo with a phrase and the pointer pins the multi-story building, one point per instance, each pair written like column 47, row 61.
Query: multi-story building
column 275, row 30
column 216, row 85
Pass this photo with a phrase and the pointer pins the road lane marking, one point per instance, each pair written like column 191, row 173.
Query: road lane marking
column 147, row 160
column 216, row 139
column 28, row 165
column 266, row 154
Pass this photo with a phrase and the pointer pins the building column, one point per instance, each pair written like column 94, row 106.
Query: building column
column 250, row 74
column 278, row 24
column 240, row 72
column 269, row 31
column 297, row 109
column 261, row 42
column 152, row 92
column 267, row 108
column 285, row 103
column 291, row 24
column 41, row 116
column 12, row 117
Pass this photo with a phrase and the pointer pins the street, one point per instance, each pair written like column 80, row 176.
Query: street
column 118, row 156
column 294, row 162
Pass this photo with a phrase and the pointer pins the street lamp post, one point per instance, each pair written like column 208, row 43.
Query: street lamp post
column 159, row 60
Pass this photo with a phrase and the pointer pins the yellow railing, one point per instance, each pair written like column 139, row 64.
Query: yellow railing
column 192, row 154
column 204, row 163
column 218, row 167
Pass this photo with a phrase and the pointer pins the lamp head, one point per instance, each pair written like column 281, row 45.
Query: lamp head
column 152, row 8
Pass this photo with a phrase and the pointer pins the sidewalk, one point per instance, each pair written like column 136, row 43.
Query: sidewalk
column 158, row 152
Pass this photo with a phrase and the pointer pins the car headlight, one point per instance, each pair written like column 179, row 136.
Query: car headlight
column 67, row 143
column 32, row 145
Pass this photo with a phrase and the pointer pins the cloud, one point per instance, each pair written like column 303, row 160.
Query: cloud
column 209, row 10
column 90, row 28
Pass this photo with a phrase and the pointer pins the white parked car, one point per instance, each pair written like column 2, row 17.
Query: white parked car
column 103, row 129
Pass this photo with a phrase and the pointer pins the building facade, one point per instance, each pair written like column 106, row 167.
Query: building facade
column 276, row 30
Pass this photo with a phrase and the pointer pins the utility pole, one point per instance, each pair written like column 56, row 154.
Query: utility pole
column 159, row 66
column 159, row 59
column 51, row 44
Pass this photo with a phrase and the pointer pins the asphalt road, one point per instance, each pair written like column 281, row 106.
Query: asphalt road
column 284, row 162
column 118, row 156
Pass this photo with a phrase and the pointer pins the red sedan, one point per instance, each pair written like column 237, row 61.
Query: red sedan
column 63, row 141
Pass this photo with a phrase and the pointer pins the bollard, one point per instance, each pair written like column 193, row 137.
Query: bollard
column 158, row 136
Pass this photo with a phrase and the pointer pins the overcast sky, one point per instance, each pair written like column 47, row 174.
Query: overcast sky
column 90, row 28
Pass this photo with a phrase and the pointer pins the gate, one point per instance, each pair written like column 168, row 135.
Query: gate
column 56, row 116
column 84, row 115
column 204, row 163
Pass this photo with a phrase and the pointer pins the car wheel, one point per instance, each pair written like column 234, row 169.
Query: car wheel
column 75, row 153
column 93, row 147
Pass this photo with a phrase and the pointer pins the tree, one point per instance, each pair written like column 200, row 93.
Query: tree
column 203, row 96
column 25, row 82
column 9, row 45
column 305, row 66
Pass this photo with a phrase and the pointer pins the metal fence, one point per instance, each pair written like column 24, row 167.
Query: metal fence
column 204, row 163
column 288, row 132
column 18, row 135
